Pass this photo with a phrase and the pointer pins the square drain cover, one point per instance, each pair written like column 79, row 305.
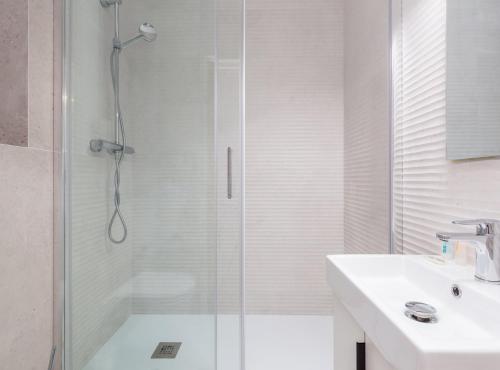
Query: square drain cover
column 166, row 350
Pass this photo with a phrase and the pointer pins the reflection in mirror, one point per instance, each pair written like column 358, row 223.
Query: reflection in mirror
column 429, row 189
column 473, row 79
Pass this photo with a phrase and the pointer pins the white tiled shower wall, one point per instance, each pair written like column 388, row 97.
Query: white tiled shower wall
column 169, row 190
column 99, row 271
column 295, row 155
column 187, row 232
column 170, row 117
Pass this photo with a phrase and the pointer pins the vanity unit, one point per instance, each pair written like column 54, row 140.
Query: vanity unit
column 412, row 313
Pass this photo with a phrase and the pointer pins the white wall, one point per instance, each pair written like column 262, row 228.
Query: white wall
column 430, row 191
column 294, row 153
column 367, row 126
column 168, row 108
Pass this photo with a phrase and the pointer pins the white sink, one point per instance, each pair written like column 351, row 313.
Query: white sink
column 375, row 288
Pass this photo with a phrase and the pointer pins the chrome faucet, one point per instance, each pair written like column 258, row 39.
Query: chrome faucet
column 486, row 239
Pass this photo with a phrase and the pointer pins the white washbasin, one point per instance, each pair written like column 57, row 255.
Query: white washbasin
column 375, row 288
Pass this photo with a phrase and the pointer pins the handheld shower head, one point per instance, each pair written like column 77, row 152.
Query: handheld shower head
column 147, row 32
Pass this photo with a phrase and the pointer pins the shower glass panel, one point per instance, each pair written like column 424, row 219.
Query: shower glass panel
column 172, row 287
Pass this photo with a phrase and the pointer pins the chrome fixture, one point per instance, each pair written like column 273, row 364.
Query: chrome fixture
column 107, row 3
column 119, row 148
column 98, row 145
column 421, row 312
column 486, row 240
column 147, row 33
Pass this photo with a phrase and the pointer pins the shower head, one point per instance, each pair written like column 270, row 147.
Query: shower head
column 147, row 32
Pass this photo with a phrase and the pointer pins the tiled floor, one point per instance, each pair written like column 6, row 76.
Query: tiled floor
column 272, row 343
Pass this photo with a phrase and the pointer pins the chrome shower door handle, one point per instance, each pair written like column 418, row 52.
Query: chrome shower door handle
column 229, row 173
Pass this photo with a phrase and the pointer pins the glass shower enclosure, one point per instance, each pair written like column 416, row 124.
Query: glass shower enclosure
column 153, row 143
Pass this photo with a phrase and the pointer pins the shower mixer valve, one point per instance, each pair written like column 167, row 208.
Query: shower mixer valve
column 106, row 3
column 98, row 145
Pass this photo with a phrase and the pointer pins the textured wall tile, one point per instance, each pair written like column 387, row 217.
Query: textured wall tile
column 26, row 207
column 14, row 67
column 367, row 126
column 25, row 257
column 294, row 158
column 172, row 130
column 40, row 71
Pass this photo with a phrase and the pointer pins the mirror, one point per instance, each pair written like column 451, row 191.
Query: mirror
column 473, row 79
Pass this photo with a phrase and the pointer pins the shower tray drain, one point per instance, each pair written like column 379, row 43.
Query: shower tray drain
column 166, row 350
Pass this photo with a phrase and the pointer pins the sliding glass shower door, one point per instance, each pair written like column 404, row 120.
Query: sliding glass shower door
column 153, row 196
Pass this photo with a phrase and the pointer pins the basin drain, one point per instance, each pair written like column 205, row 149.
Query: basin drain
column 421, row 312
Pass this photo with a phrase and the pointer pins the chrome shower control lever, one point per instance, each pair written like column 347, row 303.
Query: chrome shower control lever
column 486, row 240
column 98, row 145
column 106, row 3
